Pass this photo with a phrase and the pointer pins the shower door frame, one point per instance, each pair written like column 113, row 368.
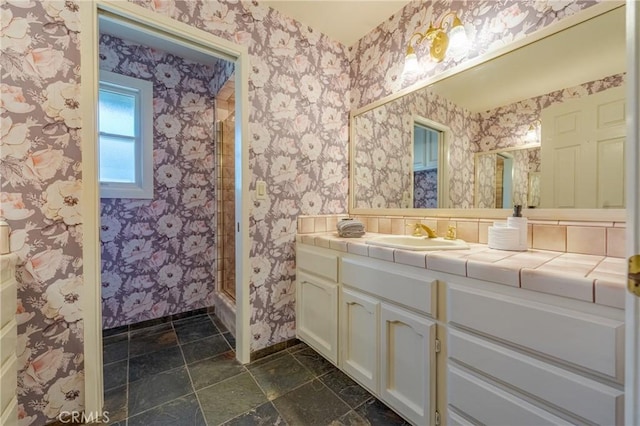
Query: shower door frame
column 155, row 25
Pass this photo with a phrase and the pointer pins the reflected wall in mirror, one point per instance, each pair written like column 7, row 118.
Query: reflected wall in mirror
column 491, row 107
column 504, row 178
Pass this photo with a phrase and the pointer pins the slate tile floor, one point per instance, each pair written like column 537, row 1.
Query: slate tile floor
column 184, row 372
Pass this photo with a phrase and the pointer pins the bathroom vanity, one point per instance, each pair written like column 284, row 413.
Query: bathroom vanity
column 439, row 345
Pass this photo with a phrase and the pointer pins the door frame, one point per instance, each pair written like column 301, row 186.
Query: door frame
column 165, row 27
column 632, row 308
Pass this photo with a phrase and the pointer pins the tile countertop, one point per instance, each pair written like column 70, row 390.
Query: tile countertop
column 596, row 279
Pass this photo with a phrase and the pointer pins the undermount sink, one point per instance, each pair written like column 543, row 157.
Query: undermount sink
column 407, row 242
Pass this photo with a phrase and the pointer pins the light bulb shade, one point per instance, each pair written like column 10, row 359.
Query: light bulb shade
column 458, row 41
column 410, row 64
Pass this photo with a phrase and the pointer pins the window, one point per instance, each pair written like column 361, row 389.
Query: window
column 125, row 115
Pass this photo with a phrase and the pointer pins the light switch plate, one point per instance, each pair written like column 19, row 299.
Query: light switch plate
column 261, row 190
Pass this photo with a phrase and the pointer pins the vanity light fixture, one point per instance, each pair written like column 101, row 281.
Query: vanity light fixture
column 533, row 133
column 455, row 42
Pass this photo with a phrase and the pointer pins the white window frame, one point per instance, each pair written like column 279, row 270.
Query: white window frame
column 143, row 92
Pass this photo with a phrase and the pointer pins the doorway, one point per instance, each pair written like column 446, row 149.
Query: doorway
column 137, row 19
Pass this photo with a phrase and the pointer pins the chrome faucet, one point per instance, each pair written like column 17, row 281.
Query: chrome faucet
column 418, row 228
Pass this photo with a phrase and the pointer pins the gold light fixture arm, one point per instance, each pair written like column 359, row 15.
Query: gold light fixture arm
column 437, row 35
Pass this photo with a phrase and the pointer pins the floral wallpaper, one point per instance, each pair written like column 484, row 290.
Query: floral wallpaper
column 159, row 255
column 40, row 165
column 521, row 168
column 377, row 60
column 384, row 149
column 298, row 126
column 486, row 187
column 425, row 189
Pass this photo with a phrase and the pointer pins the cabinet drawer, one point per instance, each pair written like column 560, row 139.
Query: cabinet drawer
column 8, row 341
column 406, row 285
column 8, row 301
column 317, row 261
column 588, row 341
column 586, row 398
column 491, row 405
column 8, row 382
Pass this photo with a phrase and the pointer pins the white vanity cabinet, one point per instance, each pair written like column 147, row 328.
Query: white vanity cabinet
column 317, row 300
column 508, row 356
column 387, row 335
column 517, row 357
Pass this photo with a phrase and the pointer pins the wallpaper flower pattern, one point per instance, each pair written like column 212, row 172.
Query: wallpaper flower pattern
column 425, row 189
column 40, row 165
column 158, row 255
column 302, row 86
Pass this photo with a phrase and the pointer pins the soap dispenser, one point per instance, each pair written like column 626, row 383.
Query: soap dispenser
column 521, row 223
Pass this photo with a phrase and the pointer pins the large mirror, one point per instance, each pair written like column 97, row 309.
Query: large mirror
column 558, row 101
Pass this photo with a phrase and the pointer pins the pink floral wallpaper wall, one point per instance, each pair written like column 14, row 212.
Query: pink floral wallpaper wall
column 40, row 166
column 159, row 255
column 425, row 189
column 485, row 196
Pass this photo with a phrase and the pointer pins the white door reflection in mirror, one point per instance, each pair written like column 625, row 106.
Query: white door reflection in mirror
column 583, row 152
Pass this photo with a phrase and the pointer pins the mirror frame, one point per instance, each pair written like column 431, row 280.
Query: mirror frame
column 612, row 215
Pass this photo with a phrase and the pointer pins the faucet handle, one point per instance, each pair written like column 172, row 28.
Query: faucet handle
column 451, row 233
column 417, row 231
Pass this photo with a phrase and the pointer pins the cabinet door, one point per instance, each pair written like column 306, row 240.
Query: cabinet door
column 359, row 338
column 407, row 364
column 317, row 314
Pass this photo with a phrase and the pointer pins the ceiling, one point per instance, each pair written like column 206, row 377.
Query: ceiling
column 346, row 21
